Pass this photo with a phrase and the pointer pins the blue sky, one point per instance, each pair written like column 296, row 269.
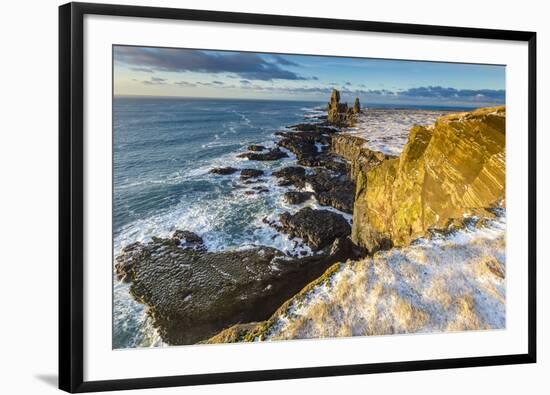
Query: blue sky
column 223, row 74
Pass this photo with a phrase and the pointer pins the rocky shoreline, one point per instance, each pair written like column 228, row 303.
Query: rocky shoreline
column 193, row 294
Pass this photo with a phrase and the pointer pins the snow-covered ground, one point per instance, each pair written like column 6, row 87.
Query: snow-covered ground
column 387, row 130
column 452, row 283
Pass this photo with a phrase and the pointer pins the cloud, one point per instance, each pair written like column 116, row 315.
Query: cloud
column 452, row 93
column 154, row 81
column 283, row 61
column 348, row 83
column 185, row 83
column 246, row 65
column 143, row 69
column 420, row 94
column 217, row 82
column 314, row 78
column 245, row 82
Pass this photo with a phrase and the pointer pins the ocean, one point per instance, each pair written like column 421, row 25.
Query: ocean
column 163, row 149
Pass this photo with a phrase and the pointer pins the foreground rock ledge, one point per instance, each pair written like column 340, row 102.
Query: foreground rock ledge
column 192, row 294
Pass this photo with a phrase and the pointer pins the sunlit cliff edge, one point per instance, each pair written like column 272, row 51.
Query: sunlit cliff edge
column 433, row 221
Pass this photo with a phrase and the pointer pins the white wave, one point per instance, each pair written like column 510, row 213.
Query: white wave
column 245, row 119
column 132, row 327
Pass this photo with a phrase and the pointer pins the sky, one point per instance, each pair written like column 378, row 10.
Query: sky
column 148, row 71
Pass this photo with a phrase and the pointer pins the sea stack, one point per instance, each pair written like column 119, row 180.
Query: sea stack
column 356, row 106
column 337, row 113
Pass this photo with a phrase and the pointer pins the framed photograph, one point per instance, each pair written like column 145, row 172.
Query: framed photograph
column 257, row 197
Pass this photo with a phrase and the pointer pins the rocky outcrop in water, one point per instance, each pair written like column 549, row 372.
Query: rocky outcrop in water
column 356, row 106
column 251, row 173
column 297, row 197
column 291, row 175
column 333, row 189
column 223, row 170
column 192, row 294
column 272, row 154
column 256, row 148
column 339, row 114
column 323, row 127
column 455, row 168
column 318, row 228
column 330, row 188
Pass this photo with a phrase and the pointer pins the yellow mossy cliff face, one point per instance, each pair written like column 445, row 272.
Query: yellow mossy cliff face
column 452, row 169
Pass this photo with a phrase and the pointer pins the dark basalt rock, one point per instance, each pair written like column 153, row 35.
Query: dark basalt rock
column 323, row 127
column 125, row 262
column 312, row 150
column 330, row 188
column 256, row 148
column 189, row 239
column 223, row 170
column 333, row 189
column 251, row 173
column 273, row 154
column 291, row 175
column 192, row 295
column 297, row 197
column 318, row 228
column 256, row 190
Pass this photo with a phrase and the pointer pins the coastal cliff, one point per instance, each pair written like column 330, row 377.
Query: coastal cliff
column 449, row 180
column 445, row 172
column 449, row 176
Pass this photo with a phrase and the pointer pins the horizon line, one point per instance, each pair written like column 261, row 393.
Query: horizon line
column 433, row 104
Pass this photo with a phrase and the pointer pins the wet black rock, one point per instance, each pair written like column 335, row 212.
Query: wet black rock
column 291, row 175
column 256, row 190
column 323, row 127
column 297, row 197
column 312, row 149
column 192, row 295
column 126, row 260
column 223, row 170
column 333, row 189
column 189, row 239
column 251, row 173
column 272, row 154
column 256, row 148
column 318, row 228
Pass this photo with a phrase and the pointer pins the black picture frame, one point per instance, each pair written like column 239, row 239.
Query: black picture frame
column 71, row 173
